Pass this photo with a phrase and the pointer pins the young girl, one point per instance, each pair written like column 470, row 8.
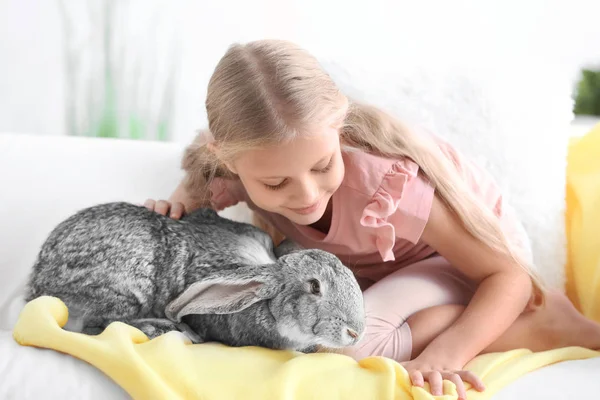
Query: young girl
column 444, row 264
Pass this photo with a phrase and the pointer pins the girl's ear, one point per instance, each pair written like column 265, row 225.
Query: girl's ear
column 231, row 167
column 214, row 148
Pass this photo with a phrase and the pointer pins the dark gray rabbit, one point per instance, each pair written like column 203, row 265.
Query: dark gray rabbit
column 210, row 277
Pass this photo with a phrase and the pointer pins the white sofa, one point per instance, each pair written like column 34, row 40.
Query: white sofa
column 500, row 114
column 44, row 179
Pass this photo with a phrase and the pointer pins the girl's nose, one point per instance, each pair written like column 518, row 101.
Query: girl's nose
column 308, row 192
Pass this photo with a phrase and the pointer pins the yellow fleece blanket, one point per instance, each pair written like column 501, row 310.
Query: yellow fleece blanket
column 583, row 223
column 170, row 367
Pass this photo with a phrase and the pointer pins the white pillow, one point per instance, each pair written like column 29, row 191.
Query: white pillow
column 512, row 119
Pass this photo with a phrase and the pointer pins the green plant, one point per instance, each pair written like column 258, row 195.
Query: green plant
column 587, row 97
column 120, row 81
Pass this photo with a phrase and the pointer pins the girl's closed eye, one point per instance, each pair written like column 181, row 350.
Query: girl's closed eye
column 327, row 168
column 284, row 182
column 276, row 187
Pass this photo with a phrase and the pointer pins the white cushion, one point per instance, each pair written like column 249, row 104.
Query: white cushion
column 44, row 179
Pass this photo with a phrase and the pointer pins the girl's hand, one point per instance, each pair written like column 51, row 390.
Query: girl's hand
column 175, row 210
column 423, row 370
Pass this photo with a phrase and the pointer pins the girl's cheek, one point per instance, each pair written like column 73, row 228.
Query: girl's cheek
column 336, row 179
column 270, row 198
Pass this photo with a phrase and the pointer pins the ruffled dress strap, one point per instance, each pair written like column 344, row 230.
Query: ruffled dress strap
column 399, row 208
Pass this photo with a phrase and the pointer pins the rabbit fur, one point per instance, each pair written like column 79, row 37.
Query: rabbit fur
column 207, row 276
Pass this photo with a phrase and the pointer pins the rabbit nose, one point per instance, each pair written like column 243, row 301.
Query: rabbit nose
column 352, row 334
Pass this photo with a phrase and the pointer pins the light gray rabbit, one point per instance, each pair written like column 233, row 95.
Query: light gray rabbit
column 213, row 278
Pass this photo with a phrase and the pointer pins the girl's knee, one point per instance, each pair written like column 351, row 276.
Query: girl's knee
column 383, row 339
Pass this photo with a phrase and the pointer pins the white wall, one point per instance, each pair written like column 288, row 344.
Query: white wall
column 31, row 67
column 32, row 77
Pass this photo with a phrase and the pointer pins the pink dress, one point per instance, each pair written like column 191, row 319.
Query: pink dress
column 378, row 215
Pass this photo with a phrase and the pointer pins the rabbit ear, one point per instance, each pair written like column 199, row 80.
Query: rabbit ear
column 217, row 296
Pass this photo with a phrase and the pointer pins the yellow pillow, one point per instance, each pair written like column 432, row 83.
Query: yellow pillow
column 583, row 223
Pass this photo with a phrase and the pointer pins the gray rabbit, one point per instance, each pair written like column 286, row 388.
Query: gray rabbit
column 210, row 277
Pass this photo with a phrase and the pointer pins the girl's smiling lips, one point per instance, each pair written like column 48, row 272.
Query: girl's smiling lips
column 307, row 210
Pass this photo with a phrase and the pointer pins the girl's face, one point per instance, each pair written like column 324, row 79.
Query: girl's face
column 296, row 179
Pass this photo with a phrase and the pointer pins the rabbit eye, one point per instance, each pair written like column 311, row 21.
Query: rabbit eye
column 315, row 286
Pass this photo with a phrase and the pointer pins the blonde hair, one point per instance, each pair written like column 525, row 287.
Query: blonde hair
column 269, row 91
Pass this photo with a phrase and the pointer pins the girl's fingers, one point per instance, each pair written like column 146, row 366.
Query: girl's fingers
column 458, row 382
column 150, row 204
column 436, row 378
column 177, row 210
column 162, row 207
column 468, row 376
column 435, row 383
column 416, row 378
